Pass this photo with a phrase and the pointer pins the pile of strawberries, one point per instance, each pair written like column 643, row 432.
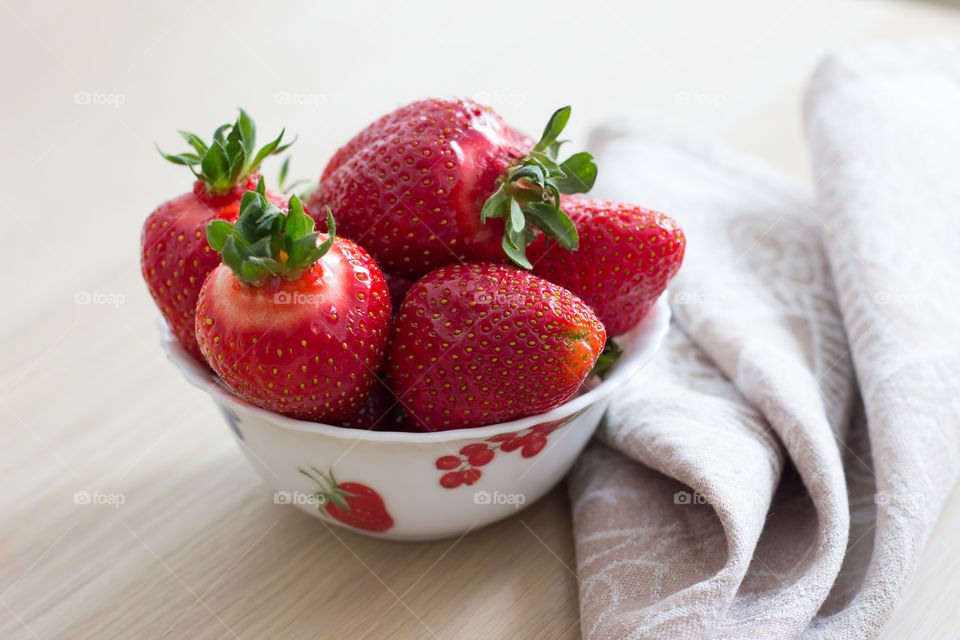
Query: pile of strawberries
column 445, row 273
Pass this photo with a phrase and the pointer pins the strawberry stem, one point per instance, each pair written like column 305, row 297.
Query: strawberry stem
column 282, row 184
column 266, row 242
column 330, row 491
column 528, row 195
column 230, row 158
column 608, row 358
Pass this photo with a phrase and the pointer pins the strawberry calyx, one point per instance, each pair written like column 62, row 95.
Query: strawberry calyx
column 232, row 155
column 528, row 194
column 329, row 491
column 607, row 359
column 265, row 242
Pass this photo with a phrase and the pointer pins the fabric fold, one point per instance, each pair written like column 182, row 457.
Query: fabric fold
column 738, row 481
column 884, row 135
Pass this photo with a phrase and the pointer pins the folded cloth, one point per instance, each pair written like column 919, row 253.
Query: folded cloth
column 777, row 469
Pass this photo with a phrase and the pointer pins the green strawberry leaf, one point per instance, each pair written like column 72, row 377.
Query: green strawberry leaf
column 235, row 151
column 554, row 126
column 187, row 159
column 530, row 173
column 217, row 233
column 271, row 148
column 529, row 193
column 548, row 164
column 494, row 206
column 608, row 358
column 215, row 165
column 554, row 223
column 194, row 141
column 266, row 242
column 517, row 221
column 553, row 151
column 331, row 234
column 231, row 254
column 248, row 133
column 229, row 158
column 515, row 246
column 295, row 226
column 579, row 174
column 283, row 185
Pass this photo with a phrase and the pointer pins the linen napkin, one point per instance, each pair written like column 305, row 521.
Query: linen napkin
column 776, row 470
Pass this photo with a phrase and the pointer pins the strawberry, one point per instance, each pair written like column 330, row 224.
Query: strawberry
column 438, row 181
column 479, row 343
column 175, row 257
column 352, row 503
column 379, row 412
column 398, row 288
column 291, row 326
column 627, row 255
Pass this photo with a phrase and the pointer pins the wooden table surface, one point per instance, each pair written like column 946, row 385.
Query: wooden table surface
column 126, row 511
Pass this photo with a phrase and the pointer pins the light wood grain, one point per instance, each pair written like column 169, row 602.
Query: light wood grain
column 88, row 402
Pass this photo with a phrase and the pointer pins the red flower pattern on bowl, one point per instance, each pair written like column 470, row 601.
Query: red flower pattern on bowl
column 464, row 468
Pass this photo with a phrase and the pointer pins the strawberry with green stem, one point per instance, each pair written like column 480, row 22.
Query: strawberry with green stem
column 439, row 181
column 627, row 257
column 175, row 256
column 528, row 195
column 293, row 321
column 352, row 503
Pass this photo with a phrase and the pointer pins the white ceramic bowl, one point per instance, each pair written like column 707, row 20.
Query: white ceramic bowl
column 401, row 497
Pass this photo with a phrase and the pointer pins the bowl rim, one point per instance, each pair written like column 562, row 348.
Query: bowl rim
column 639, row 346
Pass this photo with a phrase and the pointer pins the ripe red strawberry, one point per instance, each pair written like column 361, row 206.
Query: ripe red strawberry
column 398, row 288
column 441, row 180
column 627, row 256
column 379, row 412
column 480, row 343
column 291, row 326
column 352, row 503
column 175, row 256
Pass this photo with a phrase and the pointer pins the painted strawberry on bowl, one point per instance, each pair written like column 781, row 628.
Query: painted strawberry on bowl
column 438, row 352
